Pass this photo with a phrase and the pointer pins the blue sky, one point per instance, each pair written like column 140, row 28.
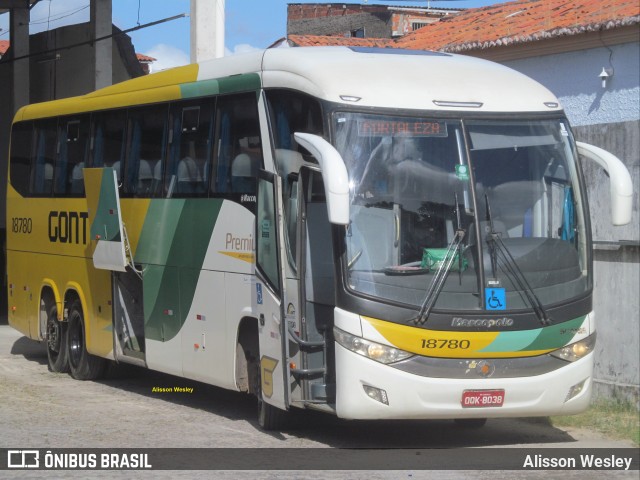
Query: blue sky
column 249, row 24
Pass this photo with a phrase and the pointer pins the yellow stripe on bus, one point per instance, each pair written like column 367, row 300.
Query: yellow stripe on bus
column 158, row 87
column 443, row 344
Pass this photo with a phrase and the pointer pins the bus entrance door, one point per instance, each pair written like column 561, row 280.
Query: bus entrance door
column 317, row 293
column 103, row 202
column 107, row 231
column 267, row 296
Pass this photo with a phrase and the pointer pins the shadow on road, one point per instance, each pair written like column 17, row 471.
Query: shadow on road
column 316, row 426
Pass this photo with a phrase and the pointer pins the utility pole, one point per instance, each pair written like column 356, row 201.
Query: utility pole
column 207, row 30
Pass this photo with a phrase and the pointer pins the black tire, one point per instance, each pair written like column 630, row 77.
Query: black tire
column 83, row 366
column 269, row 417
column 471, row 422
column 56, row 340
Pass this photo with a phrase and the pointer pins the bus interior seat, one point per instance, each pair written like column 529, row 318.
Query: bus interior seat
column 188, row 177
column 378, row 227
column 48, row 178
column 77, row 178
column 145, row 178
column 157, row 177
column 288, row 161
column 243, row 172
column 511, row 200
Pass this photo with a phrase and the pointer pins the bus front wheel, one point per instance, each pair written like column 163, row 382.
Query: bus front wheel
column 82, row 364
column 56, row 339
column 269, row 417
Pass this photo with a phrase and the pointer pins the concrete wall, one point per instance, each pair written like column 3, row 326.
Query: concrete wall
column 609, row 118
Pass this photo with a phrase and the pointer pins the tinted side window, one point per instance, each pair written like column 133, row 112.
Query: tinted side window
column 145, row 150
column 21, row 146
column 293, row 112
column 238, row 155
column 45, row 148
column 74, row 147
column 190, row 149
column 108, row 144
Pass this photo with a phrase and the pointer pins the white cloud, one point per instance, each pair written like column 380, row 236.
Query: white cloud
column 166, row 56
column 240, row 48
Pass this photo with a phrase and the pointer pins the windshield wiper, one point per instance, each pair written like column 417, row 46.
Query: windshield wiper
column 499, row 252
column 443, row 270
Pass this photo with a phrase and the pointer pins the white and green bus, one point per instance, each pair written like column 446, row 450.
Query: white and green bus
column 373, row 233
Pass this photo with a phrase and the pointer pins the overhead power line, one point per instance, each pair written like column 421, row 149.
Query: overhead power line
column 91, row 42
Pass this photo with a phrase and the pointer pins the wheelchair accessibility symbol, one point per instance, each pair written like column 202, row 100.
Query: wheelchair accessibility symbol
column 495, row 299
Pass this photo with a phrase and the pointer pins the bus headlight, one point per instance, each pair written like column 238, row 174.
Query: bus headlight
column 576, row 350
column 367, row 348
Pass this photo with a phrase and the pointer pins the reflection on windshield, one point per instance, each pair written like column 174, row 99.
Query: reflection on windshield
column 412, row 191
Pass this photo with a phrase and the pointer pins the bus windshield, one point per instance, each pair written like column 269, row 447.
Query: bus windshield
column 473, row 215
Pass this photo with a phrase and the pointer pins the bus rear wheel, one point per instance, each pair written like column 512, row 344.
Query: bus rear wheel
column 82, row 364
column 56, row 339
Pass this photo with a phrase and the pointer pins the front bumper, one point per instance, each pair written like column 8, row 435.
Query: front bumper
column 420, row 397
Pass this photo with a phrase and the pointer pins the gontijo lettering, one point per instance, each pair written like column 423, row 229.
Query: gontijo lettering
column 68, row 227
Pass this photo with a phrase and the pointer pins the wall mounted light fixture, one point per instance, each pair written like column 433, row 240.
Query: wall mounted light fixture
column 605, row 75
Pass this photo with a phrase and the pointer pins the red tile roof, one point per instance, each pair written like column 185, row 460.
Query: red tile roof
column 145, row 58
column 4, row 46
column 521, row 21
column 324, row 40
column 501, row 24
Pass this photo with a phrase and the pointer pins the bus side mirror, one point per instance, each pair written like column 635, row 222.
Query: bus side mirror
column 334, row 175
column 621, row 187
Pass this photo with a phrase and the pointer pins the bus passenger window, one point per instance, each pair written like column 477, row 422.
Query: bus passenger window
column 108, row 140
column 145, row 148
column 73, row 149
column 21, row 145
column 43, row 158
column 292, row 112
column 190, row 148
column 239, row 151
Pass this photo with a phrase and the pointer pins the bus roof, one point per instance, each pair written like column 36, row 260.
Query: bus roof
column 412, row 79
column 368, row 77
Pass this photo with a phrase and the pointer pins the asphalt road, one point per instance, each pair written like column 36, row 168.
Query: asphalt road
column 40, row 409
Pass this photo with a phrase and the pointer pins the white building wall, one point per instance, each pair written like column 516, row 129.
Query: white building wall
column 610, row 118
column 573, row 77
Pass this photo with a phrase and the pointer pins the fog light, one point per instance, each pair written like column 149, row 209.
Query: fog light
column 575, row 390
column 376, row 394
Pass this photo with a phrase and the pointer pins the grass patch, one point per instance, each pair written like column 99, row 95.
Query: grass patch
column 610, row 417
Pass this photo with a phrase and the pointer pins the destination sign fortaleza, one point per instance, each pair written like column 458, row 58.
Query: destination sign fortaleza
column 413, row 127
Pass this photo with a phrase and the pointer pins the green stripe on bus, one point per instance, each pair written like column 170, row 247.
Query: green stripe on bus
column 106, row 224
column 173, row 245
column 199, row 89
column 235, row 83
column 547, row 338
column 557, row 336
